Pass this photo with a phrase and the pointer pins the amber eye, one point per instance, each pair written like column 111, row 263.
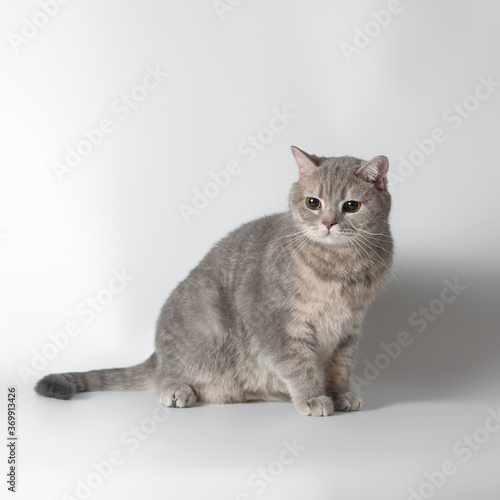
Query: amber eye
column 313, row 203
column 351, row 206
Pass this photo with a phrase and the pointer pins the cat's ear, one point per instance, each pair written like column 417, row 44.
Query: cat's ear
column 375, row 171
column 306, row 162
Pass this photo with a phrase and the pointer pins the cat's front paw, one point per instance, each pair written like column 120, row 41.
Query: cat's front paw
column 177, row 395
column 347, row 401
column 321, row 406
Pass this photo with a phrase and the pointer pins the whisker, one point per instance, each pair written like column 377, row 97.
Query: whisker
column 295, row 240
column 379, row 236
column 371, row 234
column 294, row 254
column 372, row 243
column 309, row 253
column 286, row 236
column 282, row 218
column 349, row 241
column 375, row 254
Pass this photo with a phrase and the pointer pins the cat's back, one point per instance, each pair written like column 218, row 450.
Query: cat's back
column 235, row 256
column 245, row 245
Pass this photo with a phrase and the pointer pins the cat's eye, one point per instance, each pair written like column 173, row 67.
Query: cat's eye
column 313, row 203
column 351, row 206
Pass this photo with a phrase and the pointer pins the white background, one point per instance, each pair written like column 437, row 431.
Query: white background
column 60, row 240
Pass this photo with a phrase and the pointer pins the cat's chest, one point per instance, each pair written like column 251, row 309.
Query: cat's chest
column 323, row 298
column 330, row 310
column 325, row 308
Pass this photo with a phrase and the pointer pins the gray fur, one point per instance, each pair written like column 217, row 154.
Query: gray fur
column 274, row 310
column 66, row 385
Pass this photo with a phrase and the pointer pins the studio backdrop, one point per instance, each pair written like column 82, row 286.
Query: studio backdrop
column 136, row 134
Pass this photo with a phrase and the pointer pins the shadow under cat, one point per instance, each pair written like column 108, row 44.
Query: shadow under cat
column 454, row 346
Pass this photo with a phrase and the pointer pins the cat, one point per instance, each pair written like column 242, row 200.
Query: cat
column 274, row 310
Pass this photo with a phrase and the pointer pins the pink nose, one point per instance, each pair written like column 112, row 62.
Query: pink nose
column 329, row 224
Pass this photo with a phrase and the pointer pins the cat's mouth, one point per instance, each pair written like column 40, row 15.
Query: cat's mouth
column 337, row 236
column 331, row 238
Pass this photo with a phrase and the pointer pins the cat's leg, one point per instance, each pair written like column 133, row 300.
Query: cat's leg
column 297, row 365
column 337, row 375
column 173, row 381
column 177, row 394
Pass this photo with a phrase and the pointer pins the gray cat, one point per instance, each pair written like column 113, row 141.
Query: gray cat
column 274, row 310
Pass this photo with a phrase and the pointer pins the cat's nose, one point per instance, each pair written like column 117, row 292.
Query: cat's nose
column 328, row 224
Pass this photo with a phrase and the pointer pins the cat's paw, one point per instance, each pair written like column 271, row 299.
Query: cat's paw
column 178, row 395
column 347, row 401
column 320, row 406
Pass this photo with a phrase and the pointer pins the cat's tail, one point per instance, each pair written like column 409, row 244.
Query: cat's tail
column 135, row 378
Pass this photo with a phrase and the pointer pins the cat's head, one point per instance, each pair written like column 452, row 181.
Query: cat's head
column 336, row 199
